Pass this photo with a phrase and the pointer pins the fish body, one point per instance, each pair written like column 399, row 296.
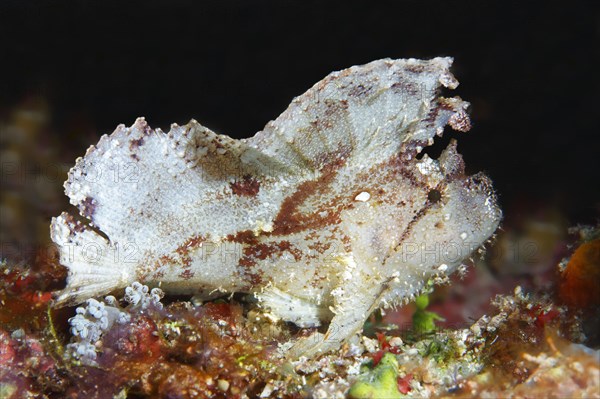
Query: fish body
column 325, row 215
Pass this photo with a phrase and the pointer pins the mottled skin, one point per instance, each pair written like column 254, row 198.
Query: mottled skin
column 326, row 214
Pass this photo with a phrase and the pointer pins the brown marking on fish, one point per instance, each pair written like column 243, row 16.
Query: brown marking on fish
column 445, row 105
column 287, row 246
column 415, row 68
column 75, row 226
column 134, row 144
column 186, row 274
column 159, row 274
column 165, row 259
column 243, row 237
column 320, row 247
column 360, row 91
column 191, row 244
column 422, row 212
column 333, row 106
column 88, row 207
column 290, row 220
column 254, row 278
column 247, row 187
column 262, row 251
column 405, row 88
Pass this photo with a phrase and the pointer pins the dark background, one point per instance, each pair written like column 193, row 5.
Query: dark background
column 529, row 69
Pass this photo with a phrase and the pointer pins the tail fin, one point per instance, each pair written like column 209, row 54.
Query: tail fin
column 94, row 267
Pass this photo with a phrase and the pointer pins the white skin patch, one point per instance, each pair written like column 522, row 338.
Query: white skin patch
column 363, row 197
column 201, row 213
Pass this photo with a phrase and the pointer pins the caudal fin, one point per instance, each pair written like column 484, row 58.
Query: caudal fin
column 94, row 265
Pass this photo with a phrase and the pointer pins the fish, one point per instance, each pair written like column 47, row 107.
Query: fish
column 330, row 212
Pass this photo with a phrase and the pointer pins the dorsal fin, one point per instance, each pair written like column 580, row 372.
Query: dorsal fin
column 372, row 109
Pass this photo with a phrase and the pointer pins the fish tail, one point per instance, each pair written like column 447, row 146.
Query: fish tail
column 95, row 268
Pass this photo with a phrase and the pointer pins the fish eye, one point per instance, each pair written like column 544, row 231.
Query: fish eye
column 434, row 196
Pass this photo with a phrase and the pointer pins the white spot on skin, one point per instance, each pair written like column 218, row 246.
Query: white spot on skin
column 426, row 166
column 265, row 226
column 363, row 197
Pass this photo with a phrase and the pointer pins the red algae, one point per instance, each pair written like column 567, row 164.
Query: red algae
column 186, row 351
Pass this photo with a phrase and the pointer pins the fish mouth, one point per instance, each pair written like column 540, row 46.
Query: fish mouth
column 480, row 202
